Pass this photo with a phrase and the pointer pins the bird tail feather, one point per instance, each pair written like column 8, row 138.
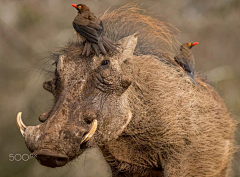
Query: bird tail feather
column 102, row 48
column 96, row 48
column 109, row 44
column 191, row 75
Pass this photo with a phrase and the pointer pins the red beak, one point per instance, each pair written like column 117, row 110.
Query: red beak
column 74, row 5
column 195, row 43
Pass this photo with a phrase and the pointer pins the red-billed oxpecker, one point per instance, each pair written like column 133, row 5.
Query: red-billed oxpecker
column 185, row 59
column 91, row 29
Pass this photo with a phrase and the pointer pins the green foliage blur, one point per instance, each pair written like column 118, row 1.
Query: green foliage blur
column 31, row 30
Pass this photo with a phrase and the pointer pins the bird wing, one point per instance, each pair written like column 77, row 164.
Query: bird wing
column 184, row 63
column 92, row 32
column 95, row 25
column 191, row 64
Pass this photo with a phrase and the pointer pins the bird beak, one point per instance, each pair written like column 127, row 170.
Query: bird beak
column 195, row 43
column 74, row 5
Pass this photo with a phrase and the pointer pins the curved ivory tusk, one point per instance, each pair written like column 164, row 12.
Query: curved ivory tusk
column 22, row 127
column 91, row 132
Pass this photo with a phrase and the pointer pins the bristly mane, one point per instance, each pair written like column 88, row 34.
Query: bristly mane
column 155, row 37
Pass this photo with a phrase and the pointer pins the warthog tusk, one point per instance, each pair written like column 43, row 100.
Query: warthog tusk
column 91, row 132
column 22, row 127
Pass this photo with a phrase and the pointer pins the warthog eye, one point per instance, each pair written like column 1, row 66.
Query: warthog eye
column 105, row 62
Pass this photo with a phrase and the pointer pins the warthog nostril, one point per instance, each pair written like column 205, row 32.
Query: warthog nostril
column 50, row 159
column 60, row 161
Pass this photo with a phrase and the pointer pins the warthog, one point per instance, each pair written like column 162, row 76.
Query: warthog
column 144, row 113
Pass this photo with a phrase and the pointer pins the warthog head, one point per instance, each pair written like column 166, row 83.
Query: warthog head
column 90, row 103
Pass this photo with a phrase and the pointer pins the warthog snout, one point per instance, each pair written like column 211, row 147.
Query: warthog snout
column 52, row 143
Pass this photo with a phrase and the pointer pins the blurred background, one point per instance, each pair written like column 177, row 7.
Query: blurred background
column 31, row 29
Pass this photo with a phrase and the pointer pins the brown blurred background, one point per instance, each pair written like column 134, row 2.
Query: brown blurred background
column 31, row 29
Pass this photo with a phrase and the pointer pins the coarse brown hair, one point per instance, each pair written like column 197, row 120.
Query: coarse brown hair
column 155, row 37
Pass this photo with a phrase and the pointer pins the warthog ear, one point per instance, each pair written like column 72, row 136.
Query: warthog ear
column 128, row 45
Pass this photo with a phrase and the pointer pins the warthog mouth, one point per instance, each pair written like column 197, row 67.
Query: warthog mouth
column 22, row 127
column 50, row 159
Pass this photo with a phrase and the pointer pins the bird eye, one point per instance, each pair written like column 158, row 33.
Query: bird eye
column 79, row 7
column 105, row 62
